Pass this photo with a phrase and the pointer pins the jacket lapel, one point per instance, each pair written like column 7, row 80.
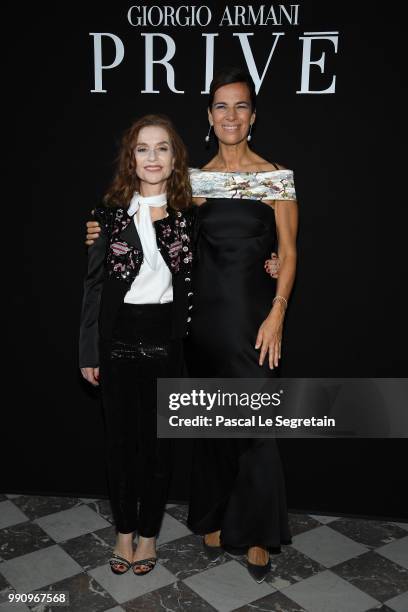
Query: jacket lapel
column 130, row 235
column 167, row 237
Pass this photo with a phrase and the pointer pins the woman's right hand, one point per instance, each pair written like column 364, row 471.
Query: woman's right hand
column 272, row 265
column 93, row 229
column 91, row 375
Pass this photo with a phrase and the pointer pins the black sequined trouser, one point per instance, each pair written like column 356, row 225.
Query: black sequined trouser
column 138, row 463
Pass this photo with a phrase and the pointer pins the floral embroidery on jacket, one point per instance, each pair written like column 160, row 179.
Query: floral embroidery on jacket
column 124, row 264
column 123, row 260
column 174, row 240
column 122, row 220
column 119, row 248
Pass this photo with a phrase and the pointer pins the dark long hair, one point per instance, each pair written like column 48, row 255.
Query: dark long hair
column 226, row 76
column 126, row 181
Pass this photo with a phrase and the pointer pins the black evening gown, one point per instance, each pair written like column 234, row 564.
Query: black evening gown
column 237, row 484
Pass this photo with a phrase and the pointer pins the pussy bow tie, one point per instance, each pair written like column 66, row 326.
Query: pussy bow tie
column 144, row 224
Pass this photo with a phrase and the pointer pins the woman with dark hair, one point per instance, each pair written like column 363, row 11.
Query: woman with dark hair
column 246, row 210
column 134, row 316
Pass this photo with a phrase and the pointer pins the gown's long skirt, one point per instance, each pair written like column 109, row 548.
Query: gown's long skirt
column 237, row 484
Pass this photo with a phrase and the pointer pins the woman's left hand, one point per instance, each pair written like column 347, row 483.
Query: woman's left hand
column 269, row 338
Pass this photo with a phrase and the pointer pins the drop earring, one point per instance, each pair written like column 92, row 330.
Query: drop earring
column 250, row 132
column 207, row 138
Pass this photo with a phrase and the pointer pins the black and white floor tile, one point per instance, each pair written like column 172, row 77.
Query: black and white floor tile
column 334, row 564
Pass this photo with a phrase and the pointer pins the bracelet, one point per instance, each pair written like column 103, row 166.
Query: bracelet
column 280, row 298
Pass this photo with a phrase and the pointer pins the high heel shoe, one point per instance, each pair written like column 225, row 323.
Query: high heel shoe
column 259, row 572
column 213, row 552
column 150, row 563
column 116, row 560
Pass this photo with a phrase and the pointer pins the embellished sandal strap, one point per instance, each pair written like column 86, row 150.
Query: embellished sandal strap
column 117, row 559
column 149, row 561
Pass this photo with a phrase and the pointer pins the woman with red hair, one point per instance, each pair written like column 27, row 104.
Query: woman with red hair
column 134, row 316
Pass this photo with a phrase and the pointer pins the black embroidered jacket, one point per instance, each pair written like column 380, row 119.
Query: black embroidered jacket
column 114, row 261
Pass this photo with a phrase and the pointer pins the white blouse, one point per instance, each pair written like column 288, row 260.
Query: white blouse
column 153, row 285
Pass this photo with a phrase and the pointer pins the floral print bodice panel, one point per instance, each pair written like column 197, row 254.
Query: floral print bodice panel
column 270, row 185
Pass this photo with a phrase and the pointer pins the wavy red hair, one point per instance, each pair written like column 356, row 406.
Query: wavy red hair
column 126, row 181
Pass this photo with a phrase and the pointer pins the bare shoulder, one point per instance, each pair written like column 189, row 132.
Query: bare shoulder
column 270, row 167
column 264, row 165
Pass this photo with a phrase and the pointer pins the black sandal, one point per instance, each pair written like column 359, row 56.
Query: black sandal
column 213, row 552
column 150, row 562
column 116, row 560
column 259, row 572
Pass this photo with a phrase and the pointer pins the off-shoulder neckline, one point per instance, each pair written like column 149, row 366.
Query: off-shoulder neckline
column 241, row 171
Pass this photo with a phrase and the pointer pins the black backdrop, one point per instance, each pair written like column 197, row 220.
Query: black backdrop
column 346, row 313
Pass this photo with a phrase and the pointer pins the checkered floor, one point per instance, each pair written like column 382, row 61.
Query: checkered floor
column 333, row 565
